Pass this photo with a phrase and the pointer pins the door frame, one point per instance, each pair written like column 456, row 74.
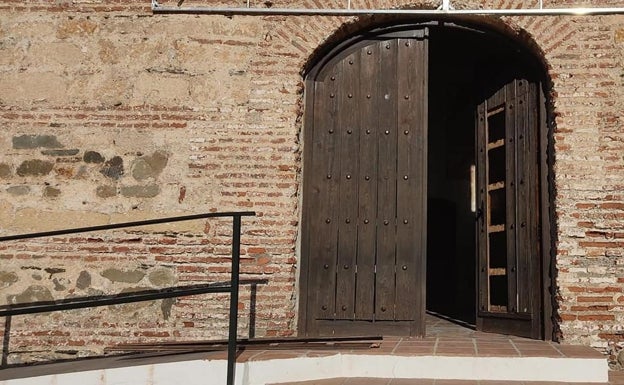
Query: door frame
column 328, row 53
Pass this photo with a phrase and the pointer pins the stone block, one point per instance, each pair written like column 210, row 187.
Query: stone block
column 35, row 141
column 6, row 213
column 142, row 170
column 60, row 284
column 33, row 293
column 113, row 168
column 126, row 276
column 148, row 191
column 34, row 167
column 28, row 87
column 165, row 306
column 162, row 277
column 7, row 278
column 33, row 219
column 84, row 280
column 18, row 190
column 155, row 88
column 76, row 27
column 108, row 52
column 51, row 192
column 71, row 152
column 5, row 171
column 149, row 166
column 106, row 191
column 93, row 157
column 61, row 53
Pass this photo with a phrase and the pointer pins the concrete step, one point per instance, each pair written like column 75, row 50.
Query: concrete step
column 275, row 368
column 615, row 378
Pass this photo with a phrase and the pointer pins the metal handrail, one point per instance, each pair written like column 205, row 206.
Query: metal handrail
column 147, row 295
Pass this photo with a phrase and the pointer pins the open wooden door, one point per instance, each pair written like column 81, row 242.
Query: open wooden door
column 364, row 226
column 509, row 258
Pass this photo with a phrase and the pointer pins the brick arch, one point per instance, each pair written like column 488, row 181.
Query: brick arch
column 530, row 34
column 505, row 26
column 556, row 42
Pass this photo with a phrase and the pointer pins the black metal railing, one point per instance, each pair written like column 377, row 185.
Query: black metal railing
column 231, row 287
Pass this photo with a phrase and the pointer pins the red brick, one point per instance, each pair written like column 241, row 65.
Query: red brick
column 612, row 205
column 590, row 308
column 596, row 317
column 595, row 299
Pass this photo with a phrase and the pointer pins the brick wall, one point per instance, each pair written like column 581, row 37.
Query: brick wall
column 110, row 113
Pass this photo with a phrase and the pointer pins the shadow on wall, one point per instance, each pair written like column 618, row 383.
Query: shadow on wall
column 49, row 306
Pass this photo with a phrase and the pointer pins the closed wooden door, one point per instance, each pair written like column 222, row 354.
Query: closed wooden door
column 509, row 287
column 363, row 246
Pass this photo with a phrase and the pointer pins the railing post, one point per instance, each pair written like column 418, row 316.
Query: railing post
column 5, row 341
column 234, row 279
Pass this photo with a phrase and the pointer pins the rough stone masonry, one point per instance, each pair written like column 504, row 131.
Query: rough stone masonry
column 110, row 113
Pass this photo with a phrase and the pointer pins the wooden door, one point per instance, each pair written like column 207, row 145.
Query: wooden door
column 509, row 278
column 363, row 245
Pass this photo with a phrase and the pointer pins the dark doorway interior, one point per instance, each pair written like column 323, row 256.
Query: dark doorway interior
column 463, row 65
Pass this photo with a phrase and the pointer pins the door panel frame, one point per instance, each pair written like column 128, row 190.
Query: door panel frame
column 518, row 97
column 308, row 324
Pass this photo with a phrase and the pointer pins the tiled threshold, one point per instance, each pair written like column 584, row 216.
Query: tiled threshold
column 450, row 355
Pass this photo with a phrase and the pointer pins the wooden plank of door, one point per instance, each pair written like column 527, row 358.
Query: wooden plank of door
column 323, row 242
column 544, row 148
column 348, row 125
column 410, row 177
column 386, row 199
column 367, row 190
column 511, row 225
column 534, row 212
column 482, row 201
column 524, row 203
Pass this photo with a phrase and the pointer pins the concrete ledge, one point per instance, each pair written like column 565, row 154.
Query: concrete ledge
column 208, row 372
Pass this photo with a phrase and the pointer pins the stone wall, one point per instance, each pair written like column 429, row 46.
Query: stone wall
column 119, row 116
column 111, row 113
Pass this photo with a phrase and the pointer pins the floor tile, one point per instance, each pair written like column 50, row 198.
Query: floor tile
column 366, row 381
column 412, row 381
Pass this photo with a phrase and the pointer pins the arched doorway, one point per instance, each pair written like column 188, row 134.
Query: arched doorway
column 423, row 179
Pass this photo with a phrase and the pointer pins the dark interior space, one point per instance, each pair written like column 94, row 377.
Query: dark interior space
column 463, row 65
